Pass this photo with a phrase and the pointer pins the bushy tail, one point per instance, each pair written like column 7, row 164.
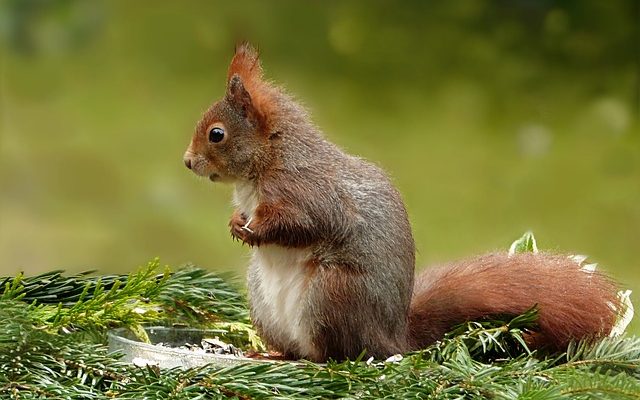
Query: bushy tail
column 572, row 303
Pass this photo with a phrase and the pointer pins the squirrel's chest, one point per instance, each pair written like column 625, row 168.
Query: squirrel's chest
column 245, row 197
column 278, row 283
column 278, row 279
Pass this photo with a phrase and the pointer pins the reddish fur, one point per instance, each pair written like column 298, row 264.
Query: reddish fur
column 572, row 303
column 246, row 64
column 235, row 224
column 273, row 223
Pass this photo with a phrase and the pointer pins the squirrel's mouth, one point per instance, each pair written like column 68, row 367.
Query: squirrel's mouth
column 214, row 177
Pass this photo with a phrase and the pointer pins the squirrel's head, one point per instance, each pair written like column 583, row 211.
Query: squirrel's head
column 231, row 141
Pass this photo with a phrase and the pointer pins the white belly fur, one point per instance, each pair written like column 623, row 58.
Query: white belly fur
column 280, row 295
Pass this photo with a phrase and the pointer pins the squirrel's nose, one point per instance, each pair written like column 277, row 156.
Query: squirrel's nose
column 187, row 162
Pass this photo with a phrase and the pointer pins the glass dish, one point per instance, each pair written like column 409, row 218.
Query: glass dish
column 171, row 356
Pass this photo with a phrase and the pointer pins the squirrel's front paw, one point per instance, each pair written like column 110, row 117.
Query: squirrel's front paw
column 241, row 229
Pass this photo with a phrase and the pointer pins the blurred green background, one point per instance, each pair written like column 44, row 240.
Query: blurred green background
column 493, row 117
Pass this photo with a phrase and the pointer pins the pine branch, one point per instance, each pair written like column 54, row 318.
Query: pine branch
column 490, row 338
column 91, row 305
column 34, row 361
column 196, row 294
column 53, row 287
column 582, row 383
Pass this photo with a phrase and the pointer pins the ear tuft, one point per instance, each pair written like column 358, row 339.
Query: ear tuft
column 246, row 64
column 247, row 89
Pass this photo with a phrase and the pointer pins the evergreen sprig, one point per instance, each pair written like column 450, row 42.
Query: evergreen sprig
column 90, row 304
column 34, row 362
column 194, row 293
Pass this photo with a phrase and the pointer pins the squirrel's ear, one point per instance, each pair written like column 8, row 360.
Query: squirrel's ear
column 240, row 100
column 237, row 95
column 246, row 90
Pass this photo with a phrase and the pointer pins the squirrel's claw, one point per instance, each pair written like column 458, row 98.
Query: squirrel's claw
column 245, row 227
column 241, row 231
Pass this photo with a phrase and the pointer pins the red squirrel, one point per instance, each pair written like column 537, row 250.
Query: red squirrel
column 332, row 268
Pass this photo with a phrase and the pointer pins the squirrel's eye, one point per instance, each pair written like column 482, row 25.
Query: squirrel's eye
column 216, row 135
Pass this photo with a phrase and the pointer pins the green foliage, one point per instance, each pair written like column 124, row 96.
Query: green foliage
column 46, row 354
column 88, row 305
column 492, row 338
column 35, row 362
column 527, row 243
column 196, row 294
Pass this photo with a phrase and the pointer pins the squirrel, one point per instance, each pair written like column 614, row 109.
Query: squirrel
column 333, row 256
